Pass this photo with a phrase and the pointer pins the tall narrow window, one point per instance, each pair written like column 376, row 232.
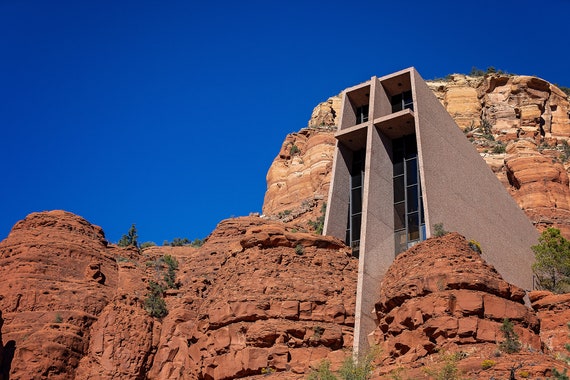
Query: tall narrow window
column 362, row 114
column 402, row 101
column 355, row 202
column 409, row 225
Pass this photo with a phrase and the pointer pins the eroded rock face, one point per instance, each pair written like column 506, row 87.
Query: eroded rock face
column 278, row 301
column 256, row 297
column 50, row 293
column 458, row 306
column 299, row 178
column 525, row 110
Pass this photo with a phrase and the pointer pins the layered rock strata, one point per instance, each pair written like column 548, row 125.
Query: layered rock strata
column 493, row 110
column 254, row 298
column 458, row 307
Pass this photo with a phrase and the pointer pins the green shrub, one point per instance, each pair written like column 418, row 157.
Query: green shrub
column 488, row 363
column 323, row 372
column 552, row 265
column 154, row 303
column 148, row 244
column 130, row 239
column 58, row 318
column 557, row 375
column 499, row 148
column 511, row 344
column 299, row 249
column 438, row 230
column 294, row 150
column 449, row 371
column 170, row 275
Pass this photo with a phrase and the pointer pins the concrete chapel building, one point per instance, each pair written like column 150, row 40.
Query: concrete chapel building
column 402, row 165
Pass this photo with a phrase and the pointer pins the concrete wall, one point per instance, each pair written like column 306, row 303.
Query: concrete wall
column 461, row 192
column 377, row 247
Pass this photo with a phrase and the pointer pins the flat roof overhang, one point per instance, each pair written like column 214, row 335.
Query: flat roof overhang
column 396, row 125
column 353, row 138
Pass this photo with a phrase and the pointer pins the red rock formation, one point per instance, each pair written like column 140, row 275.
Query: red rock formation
column 56, row 275
column 553, row 310
column 254, row 298
column 456, row 307
column 299, row 178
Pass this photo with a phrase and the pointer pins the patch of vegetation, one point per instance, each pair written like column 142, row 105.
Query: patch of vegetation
column 488, row 363
column 438, row 230
column 552, row 265
column 294, row 150
column 284, row 213
column 268, row 370
column 449, row 371
column 171, row 268
column 147, row 244
column 565, row 148
column 499, row 148
column 318, row 332
column 351, row 369
column 475, row 246
column 319, row 224
column 130, row 239
column 475, row 72
column 299, row 249
column 58, row 318
column 511, row 344
column 323, row 372
column 180, row 242
column 154, row 303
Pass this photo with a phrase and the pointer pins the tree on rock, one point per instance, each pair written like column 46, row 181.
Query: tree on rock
column 130, row 239
column 552, row 266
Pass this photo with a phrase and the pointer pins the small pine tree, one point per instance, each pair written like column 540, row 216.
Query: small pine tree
column 511, row 344
column 130, row 239
column 154, row 303
column 552, row 266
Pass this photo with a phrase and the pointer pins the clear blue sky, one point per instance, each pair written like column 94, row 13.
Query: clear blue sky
column 168, row 114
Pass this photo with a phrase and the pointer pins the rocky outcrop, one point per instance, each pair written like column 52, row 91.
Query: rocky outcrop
column 493, row 110
column 278, row 301
column 255, row 298
column 299, row 178
column 56, row 275
column 553, row 310
column 539, row 183
column 457, row 307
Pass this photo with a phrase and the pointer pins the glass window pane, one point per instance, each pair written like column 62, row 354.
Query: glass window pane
column 412, row 192
column 356, row 227
column 399, row 216
column 422, row 219
column 356, row 200
column 400, row 240
column 356, row 180
column 413, row 227
column 411, row 146
column 407, row 100
column 399, row 194
column 396, row 103
column 412, row 171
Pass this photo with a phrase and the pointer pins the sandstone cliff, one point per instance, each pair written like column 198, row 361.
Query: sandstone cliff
column 459, row 307
column 254, row 297
column 495, row 112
